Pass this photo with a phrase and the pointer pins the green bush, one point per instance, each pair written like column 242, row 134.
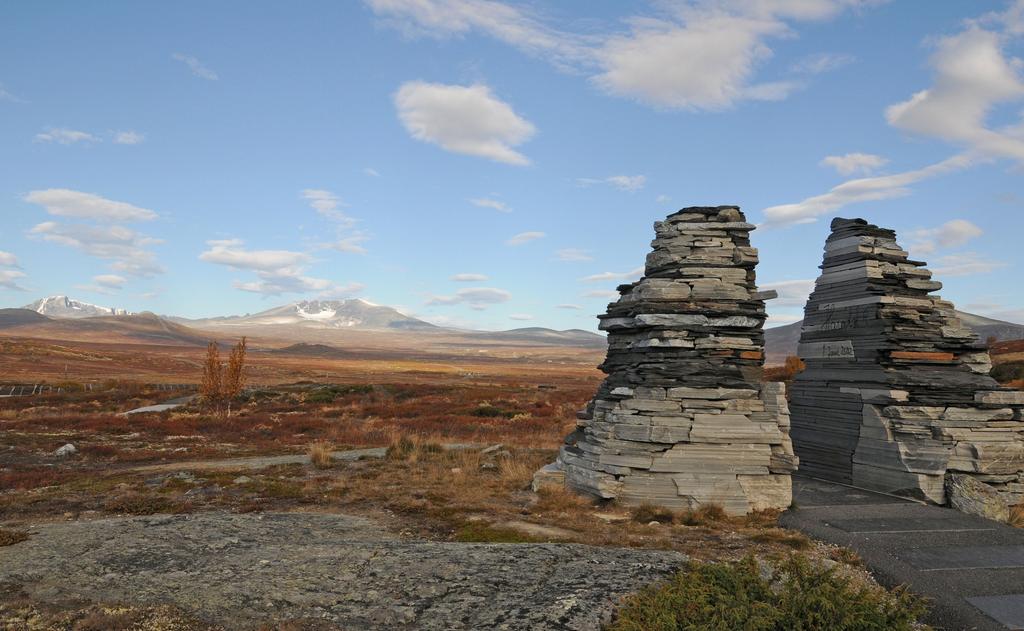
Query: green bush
column 793, row 595
column 328, row 394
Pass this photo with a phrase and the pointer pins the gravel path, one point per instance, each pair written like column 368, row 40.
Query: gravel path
column 240, row 570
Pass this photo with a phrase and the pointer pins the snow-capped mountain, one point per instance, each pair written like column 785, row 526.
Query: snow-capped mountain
column 64, row 307
column 354, row 313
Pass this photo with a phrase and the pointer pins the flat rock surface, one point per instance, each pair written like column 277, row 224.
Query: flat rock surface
column 971, row 568
column 241, row 570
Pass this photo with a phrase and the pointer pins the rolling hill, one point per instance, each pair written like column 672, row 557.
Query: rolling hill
column 782, row 341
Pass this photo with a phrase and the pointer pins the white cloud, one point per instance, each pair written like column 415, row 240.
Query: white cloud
column 463, row 119
column 112, row 281
column 821, row 62
column 469, row 278
column 628, row 182
column 65, row 136
column 126, row 248
column 278, row 271
column 128, row 137
column 859, row 190
column 371, row 172
column 663, row 199
column 7, row 96
column 972, row 76
column 512, row 25
column 9, row 278
column 196, row 66
column 350, row 243
column 327, row 204
column 7, row 259
column 569, row 306
column 699, row 55
column 601, row 293
column 604, row 276
column 231, row 252
column 780, row 319
column 573, row 254
column 525, row 237
column 850, row 163
column 965, row 264
column 520, row 316
column 475, row 297
column 622, row 182
column 484, row 202
column 68, row 203
column 105, row 284
column 792, row 293
column 949, row 235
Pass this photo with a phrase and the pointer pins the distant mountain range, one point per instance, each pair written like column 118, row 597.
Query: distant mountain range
column 319, row 314
column 307, row 322
column 316, row 321
column 782, row 341
column 64, row 307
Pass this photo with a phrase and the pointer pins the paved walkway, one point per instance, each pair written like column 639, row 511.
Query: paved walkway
column 971, row 568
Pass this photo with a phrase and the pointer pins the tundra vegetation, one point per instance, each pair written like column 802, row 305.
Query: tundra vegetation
column 460, row 441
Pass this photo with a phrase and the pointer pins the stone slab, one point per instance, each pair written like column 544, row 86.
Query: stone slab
column 1008, row 609
column 965, row 557
column 904, row 524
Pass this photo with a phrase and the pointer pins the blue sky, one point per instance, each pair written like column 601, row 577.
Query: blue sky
column 495, row 164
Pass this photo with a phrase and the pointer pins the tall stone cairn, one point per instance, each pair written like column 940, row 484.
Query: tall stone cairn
column 896, row 395
column 683, row 419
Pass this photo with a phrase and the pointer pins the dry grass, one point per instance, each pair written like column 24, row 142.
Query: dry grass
column 1016, row 518
column 319, row 453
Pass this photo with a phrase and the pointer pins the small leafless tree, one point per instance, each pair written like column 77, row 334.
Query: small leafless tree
column 222, row 384
column 234, row 378
column 210, row 387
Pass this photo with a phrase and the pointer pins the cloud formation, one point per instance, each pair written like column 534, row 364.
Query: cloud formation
column 197, row 67
column 525, row 237
column 573, row 254
column 476, row 297
column 463, row 119
column 128, row 137
column 964, row 264
column 485, row 202
column 124, row 247
column 949, row 235
column 972, row 76
column 64, row 136
column 64, row 202
column 469, row 278
column 699, row 55
column 605, row 276
column 328, row 204
column 277, row 271
column 9, row 277
column 622, row 182
column 850, row 163
column 859, row 190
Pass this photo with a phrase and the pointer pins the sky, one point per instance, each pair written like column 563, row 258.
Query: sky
column 490, row 164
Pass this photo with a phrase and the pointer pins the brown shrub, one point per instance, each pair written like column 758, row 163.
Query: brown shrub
column 11, row 537
column 646, row 513
column 320, row 454
column 704, row 515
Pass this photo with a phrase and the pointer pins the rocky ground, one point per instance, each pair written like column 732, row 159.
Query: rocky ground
column 239, row 571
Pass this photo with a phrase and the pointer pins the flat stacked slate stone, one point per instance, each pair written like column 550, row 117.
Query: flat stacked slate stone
column 896, row 393
column 682, row 418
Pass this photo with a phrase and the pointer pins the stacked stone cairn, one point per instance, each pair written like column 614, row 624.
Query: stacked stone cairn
column 896, row 395
column 682, row 419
